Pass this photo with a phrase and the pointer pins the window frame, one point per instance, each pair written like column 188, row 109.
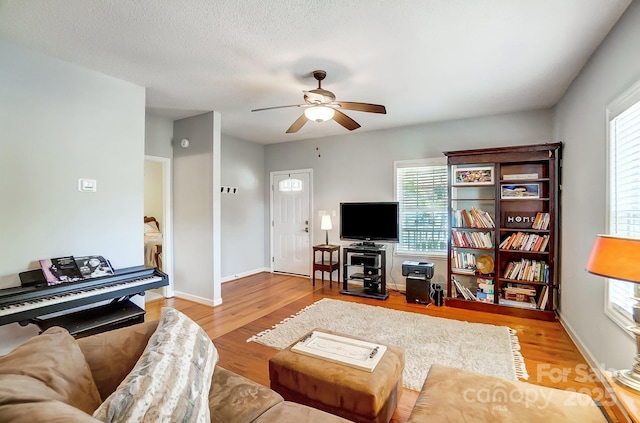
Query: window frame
column 433, row 161
column 627, row 99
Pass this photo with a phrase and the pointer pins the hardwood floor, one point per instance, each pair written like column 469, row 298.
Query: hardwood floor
column 258, row 302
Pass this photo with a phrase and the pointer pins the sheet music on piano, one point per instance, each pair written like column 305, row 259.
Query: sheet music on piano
column 35, row 298
column 71, row 269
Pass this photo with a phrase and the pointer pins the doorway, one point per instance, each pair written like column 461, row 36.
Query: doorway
column 291, row 221
column 158, row 204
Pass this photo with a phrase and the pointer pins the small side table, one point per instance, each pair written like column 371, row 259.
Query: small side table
column 326, row 264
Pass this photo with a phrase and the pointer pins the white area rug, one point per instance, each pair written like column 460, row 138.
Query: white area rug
column 488, row 349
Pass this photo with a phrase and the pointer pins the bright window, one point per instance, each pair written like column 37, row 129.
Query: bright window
column 624, row 192
column 421, row 190
column 290, row 185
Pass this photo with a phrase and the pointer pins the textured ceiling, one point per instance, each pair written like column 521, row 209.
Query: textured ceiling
column 425, row 60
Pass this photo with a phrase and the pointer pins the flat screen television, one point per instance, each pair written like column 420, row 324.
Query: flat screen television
column 369, row 222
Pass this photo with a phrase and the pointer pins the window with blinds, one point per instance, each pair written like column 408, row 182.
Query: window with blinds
column 421, row 191
column 624, row 192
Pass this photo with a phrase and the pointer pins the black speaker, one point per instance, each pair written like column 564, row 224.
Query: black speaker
column 418, row 290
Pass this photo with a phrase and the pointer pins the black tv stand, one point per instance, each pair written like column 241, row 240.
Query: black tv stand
column 370, row 265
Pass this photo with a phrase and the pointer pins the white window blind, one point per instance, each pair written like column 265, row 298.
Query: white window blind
column 624, row 198
column 421, row 190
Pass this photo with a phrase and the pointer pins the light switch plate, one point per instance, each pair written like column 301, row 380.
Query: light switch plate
column 87, row 185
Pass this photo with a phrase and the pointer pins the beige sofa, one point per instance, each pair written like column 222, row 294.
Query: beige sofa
column 54, row 377
column 453, row 395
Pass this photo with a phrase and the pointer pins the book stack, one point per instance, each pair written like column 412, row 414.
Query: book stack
column 485, row 290
column 463, row 262
column 527, row 270
column 472, row 239
column 473, row 218
column 519, row 292
column 525, row 242
column 541, row 221
column 524, row 296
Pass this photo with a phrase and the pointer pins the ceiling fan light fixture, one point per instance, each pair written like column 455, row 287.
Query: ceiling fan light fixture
column 319, row 113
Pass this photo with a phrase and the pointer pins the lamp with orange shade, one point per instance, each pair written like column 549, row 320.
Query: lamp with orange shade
column 617, row 257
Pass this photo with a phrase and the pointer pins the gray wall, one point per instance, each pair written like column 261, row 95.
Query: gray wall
column 242, row 214
column 358, row 166
column 58, row 123
column 243, row 229
column 158, row 136
column 196, row 199
column 581, row 123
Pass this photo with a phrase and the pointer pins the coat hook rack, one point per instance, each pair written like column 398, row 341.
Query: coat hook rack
column 225, row 189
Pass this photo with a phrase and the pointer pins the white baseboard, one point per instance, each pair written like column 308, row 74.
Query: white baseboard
column 197, row 299
column 218, row 301
column 244, row 274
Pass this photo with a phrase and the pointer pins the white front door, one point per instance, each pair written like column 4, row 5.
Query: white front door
column 290, row 224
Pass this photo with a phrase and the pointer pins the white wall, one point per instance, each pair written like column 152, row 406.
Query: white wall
column 58, row 123
column 358, row 166
column 580, row 122
column 196, row 218
column 242, row 213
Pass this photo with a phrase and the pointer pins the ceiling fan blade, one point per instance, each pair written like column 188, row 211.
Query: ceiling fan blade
column 362, row 107
column 345, row 121
column 278, row 107
column 299, row 123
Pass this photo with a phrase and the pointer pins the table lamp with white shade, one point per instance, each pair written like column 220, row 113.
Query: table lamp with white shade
column 326, row 225
column 618, row 257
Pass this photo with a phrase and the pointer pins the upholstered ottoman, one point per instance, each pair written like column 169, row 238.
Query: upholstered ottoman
column 453, row 395
column 339, row 389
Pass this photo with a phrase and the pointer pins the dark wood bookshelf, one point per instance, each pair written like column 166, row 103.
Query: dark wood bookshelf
column 532, row 174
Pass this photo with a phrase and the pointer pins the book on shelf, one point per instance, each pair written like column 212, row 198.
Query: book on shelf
column 465, row 262
column 541, row 221
column 484, row 297
column 527, row 270
column 465, row 271
column 531, row 304
column 472, row 239
column 525, row 242
column 466, row 293
column 520, row 289
column 519, row 176
column 473, row 218
column 517, row 296
column 486, row 288
column 71, row 269
column 545, row 242
column 544, row 298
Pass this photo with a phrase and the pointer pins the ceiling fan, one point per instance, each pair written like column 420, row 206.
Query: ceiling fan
column 321, row 105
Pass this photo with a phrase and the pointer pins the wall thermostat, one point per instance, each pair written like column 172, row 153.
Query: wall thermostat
column 87, row 185
column 184, row 143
